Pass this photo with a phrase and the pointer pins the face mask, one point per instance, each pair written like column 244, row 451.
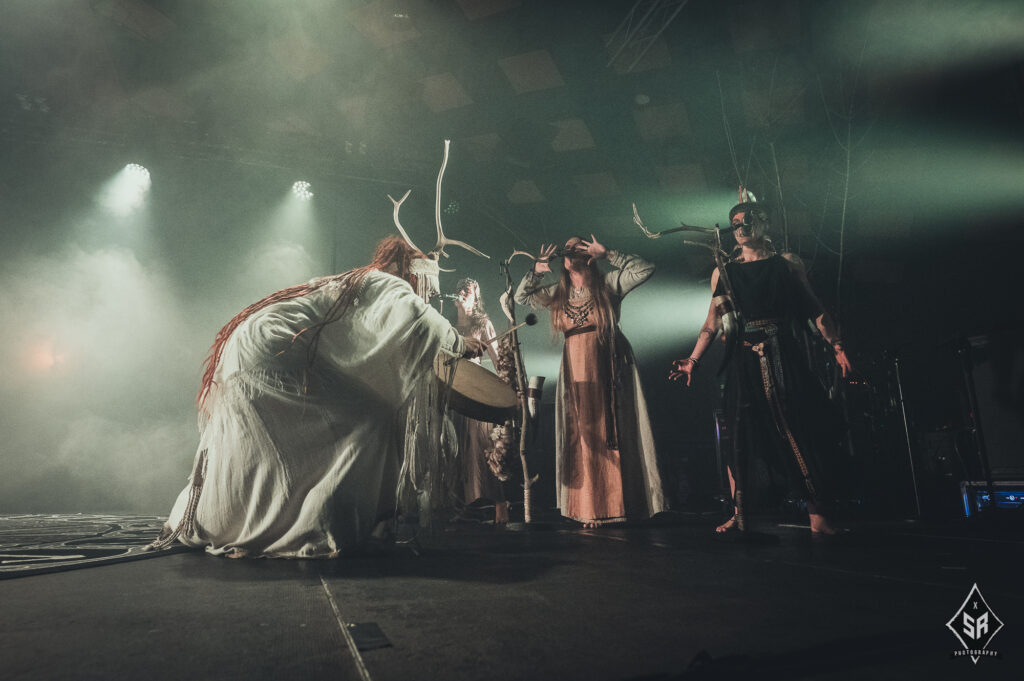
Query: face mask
column 751, row 226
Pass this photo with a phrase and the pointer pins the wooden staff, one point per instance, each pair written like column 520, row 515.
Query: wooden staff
column 509, row 307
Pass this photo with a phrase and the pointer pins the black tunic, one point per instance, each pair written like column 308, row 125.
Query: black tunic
column 785, row 429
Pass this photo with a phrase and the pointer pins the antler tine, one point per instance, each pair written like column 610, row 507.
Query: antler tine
column 640, row 223
column 398, row 204
column 517, row 252
column 455, row 242
column 439, row 248
column 442, row 240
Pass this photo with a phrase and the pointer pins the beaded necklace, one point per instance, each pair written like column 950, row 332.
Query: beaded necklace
column 579, row 306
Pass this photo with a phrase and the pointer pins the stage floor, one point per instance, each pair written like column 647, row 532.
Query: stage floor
column 665, row 600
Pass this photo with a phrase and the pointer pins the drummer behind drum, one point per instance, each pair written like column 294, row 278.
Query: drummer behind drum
column 300, row 402
column 480, row 484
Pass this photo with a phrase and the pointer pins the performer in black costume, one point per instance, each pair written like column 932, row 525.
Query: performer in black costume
column 776, row 406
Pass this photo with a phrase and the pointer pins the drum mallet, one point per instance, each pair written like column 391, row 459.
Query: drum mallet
column 531, row 319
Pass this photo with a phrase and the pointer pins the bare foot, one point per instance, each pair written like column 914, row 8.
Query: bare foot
column 820, row 524
column 729, row 524
column 589, row 525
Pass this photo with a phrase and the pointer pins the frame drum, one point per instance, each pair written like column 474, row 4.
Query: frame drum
column 476, row 392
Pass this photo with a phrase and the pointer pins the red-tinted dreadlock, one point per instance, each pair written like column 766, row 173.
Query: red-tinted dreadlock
column 393, row 255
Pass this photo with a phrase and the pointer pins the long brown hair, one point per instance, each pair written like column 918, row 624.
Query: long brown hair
column 392, row 255
column 601, row 316
column 477, row 319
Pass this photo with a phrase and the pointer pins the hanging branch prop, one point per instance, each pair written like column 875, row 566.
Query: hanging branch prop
column 732, row 317
column 682, row 228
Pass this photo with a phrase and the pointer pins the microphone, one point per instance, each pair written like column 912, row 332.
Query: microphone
column 564, row 252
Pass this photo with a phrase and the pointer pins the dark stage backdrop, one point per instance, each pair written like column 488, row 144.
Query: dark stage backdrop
column 107, row 317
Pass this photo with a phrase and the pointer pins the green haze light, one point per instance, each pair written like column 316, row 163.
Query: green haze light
column 924, row 35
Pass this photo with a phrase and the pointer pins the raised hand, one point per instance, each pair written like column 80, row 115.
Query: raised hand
column 682, row 368
column 474, row 347
column 594, row 249
column 543, row 265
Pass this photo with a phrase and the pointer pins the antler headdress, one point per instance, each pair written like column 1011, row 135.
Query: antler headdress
column 428, row 268
column 442, row 241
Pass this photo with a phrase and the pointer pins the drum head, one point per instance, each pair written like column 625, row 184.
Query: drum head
column 476, row 392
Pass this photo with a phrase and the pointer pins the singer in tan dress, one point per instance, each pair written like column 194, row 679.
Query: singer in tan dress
column 606, row 465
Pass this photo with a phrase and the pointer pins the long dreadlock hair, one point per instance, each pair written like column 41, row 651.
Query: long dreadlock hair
column 392, row 255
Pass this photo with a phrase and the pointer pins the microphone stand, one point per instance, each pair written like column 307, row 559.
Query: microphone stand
column 974, row 426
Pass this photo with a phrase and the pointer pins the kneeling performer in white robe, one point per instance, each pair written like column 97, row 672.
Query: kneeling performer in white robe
column 301, row 413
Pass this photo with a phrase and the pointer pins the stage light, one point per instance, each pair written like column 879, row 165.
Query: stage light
column 303, row 190
column 127, row 190
column 139, row 175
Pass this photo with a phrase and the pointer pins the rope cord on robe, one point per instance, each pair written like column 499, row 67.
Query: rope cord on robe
column 427, row 479
column 445, row 403
column 187, row 524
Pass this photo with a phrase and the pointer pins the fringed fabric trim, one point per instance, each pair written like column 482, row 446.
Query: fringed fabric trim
column 187, row 525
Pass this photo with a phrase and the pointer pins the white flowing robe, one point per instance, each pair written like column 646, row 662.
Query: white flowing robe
column 306, row 473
